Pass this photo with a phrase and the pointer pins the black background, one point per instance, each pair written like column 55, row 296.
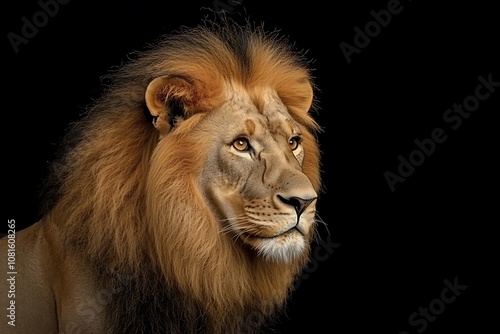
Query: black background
column 396, row 248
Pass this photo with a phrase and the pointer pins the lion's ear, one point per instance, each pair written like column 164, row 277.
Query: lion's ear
column 167, row 98
column 298, row 95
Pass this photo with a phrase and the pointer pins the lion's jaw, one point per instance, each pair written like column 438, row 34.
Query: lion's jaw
column 255, row 182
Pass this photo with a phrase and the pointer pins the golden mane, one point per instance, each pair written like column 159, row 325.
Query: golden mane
column 131, row 206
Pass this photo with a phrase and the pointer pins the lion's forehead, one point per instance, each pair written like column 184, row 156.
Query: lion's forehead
column 262, row 111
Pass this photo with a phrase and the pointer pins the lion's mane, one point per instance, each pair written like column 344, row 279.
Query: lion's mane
column 133, row 211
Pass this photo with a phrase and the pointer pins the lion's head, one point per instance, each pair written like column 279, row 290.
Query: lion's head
column 200, row 167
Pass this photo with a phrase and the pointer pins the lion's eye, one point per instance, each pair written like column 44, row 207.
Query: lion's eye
column 294, row 143
column 241, row 144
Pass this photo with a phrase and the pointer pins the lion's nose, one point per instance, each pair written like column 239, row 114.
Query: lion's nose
column 299, row 204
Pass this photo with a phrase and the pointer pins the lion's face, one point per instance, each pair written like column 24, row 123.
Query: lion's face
column 253, row 178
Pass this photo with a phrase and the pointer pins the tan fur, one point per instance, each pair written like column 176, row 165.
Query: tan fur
column 139, row 197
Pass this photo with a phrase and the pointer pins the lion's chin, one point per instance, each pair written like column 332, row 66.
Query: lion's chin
column 284, row 248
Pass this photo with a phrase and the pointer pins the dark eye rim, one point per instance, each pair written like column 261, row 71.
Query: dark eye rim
column 246, row 140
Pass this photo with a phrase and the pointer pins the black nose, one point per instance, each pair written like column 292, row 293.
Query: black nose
column 299, row 204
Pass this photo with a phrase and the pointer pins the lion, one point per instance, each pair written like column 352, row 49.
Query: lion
column 184, row 199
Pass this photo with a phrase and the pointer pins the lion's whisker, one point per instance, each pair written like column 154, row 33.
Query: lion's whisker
column 322, row 222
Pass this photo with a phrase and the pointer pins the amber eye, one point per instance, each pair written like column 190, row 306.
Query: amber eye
column 241, row 144
column 294, row 142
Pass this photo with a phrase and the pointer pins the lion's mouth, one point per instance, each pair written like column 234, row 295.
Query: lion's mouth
column 294, row 229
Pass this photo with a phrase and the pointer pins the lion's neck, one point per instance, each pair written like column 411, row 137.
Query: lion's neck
column 149, row 304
